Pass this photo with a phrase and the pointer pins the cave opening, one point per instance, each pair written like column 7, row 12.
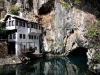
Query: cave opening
column 46, row 7
column 79, row 51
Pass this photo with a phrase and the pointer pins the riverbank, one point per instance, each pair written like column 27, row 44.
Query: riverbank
column 11, row 59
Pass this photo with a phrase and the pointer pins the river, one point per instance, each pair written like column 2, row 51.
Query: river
column 50, row 66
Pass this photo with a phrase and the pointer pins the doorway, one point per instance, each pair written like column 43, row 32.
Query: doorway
column 11, row 47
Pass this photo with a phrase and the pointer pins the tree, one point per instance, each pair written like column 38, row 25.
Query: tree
column 13, row 10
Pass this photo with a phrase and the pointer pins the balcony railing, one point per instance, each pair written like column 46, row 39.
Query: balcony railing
column 32, row 30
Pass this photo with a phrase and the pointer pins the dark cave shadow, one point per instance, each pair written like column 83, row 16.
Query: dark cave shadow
column 79, row 51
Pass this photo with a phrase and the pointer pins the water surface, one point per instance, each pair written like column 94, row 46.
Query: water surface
column 50, row 66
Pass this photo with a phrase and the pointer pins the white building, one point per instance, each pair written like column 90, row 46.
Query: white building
column 25, row 34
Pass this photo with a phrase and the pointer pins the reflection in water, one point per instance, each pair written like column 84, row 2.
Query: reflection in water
column 51, row 66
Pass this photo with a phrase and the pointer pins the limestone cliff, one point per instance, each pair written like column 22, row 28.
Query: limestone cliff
column 65, row 26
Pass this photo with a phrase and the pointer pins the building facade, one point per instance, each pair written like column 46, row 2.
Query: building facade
column 24, row 35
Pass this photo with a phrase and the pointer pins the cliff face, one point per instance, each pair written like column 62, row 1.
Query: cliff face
column 65, row 27
column 64, row 22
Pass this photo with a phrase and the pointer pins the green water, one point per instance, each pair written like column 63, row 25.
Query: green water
column 50, row 66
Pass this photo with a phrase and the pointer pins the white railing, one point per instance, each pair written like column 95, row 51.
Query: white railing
column 32, row 30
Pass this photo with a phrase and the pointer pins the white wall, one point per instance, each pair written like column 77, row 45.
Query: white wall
column 24, row 30
column 7, row 24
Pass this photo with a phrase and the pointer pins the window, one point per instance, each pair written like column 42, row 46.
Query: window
column 12, row 23
column 20, row 23
column 6, row 24
column 14, row 36
column 23, row 36
column 16, row 22
column 36, row 26
column 34, row 37
column 39, row 27
column 20, row 36
column 29, row 36
column 10, row 36
column 32, row 25
column 9, row 18
column 27, row 25
column 9, row 23
column 37, row 37
column 23, row 24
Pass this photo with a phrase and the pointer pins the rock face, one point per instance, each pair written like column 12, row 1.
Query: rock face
column 90, row 55
column 65, row 29
column 3, row 49
column 94, row 60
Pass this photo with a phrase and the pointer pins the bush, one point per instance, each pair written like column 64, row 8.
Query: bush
column 77, row 2
column 96, row 58
column 66, row 5
column 1, row 28
column 13, row 10
column 93, row 35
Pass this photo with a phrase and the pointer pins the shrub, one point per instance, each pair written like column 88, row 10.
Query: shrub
column 13, row 10
column 93, row 35
column 77, row 2
column 65, row 4
column 96, row 58
column 2, row 28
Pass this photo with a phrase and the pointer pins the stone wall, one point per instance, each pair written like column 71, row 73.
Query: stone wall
column 3, row 49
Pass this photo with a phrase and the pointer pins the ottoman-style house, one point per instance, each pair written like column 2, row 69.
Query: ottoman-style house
column 24, row 35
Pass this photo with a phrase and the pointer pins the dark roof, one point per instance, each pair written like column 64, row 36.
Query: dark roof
column 14, row 16
column 18, row 17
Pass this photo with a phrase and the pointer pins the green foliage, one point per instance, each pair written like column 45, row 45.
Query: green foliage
column 65, row 4
column 62, row 44
column 77, row 2
column 96, row 58
column 13, row 10
column 1, row 28
column 93, row 35
column 13, row 58
column 42, row 50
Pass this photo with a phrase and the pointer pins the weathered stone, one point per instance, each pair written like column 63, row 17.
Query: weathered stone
column 96, row 68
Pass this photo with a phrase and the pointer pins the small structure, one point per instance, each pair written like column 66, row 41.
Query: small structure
column 24, row 35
